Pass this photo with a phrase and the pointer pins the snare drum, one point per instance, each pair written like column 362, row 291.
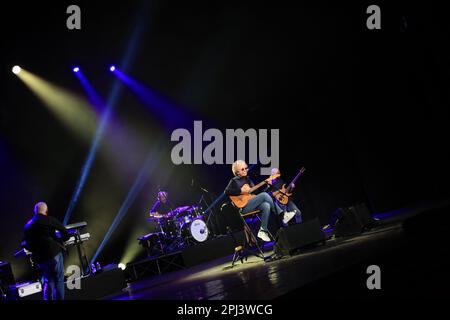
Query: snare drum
column 195, row 212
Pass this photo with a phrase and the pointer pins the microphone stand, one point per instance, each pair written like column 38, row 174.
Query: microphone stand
column 211, row 213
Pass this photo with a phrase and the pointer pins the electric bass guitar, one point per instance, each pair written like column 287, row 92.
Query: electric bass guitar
column 241, row 200
column 282, row 195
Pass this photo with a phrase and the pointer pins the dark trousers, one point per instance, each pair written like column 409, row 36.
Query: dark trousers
column 53, row 277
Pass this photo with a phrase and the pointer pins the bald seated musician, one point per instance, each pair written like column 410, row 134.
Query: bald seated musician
column 241, row 184
column 47, row 250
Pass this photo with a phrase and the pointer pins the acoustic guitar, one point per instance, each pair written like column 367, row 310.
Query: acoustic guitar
column 282, row 195
column 241, row 200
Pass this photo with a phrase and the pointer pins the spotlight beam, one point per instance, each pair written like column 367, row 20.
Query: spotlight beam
column 71, row 109
column 171, row 115
column 86, row 168
column 149, row 166
column 112, row 100
column 96, row 100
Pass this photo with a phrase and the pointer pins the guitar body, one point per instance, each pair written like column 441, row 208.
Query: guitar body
column 241, row 200
column 282, row 195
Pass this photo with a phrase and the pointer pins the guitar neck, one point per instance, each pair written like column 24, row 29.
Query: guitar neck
column 256, row 187
column 294, row 180
column 296, row 177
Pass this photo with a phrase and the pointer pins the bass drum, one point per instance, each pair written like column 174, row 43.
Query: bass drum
column 196, row 229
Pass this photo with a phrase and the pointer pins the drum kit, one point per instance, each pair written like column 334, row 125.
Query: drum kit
column 180, row 227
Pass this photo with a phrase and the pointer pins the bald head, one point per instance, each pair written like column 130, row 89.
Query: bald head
column 41, row 208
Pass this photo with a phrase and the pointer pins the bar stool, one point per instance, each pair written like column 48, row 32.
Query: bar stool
column 241, row 252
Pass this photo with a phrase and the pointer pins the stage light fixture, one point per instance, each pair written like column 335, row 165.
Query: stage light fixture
column 112, row 68
column 76, row 69
column 16, row 69
column 122, row 266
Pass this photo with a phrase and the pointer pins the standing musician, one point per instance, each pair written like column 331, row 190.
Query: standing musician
column 277, row 184
column 241, row 185
column 40, row 238
column 162, row 206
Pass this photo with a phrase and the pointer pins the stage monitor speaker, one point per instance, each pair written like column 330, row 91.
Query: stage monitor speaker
column 6, row 278
column 109, row 281
column 352, row 220
column 290, row 239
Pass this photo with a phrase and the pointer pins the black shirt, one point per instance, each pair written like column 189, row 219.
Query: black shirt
column 276, row 185
column 234, row 186
column 40, row 237
column 161, row 207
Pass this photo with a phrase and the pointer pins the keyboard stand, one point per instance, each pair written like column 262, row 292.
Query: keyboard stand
column 84, row 263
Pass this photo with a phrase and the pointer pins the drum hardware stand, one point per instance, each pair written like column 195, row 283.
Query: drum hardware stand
column 188, row 242
column 174, row 244
column 211, row 212
column 178, row 243
column 159, row 248
column 212, row 233
column 166, row 241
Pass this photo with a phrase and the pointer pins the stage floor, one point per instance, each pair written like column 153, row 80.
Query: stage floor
column 256, row 279
column 412, row 266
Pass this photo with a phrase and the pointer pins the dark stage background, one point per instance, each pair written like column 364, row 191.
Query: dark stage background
column 365, row 111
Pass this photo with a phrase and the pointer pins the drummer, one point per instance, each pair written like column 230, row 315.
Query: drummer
column 162, row 206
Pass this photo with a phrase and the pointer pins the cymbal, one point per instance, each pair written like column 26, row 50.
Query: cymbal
column 156, row 216
column 182, row 209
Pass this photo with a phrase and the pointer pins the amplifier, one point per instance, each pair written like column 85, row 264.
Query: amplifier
column 291, row 239
column 352, row 220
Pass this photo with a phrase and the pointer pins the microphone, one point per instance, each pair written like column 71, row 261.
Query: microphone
column 197, row 186
column 203, row 189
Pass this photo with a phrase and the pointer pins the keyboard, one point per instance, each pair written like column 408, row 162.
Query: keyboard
column 77, row 225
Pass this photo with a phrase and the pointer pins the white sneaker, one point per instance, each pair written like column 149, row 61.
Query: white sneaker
column 288, row 215
column 263, row 235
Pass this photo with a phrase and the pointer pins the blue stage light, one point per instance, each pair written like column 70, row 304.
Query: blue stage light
column 76, row 69
column 112, row 68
